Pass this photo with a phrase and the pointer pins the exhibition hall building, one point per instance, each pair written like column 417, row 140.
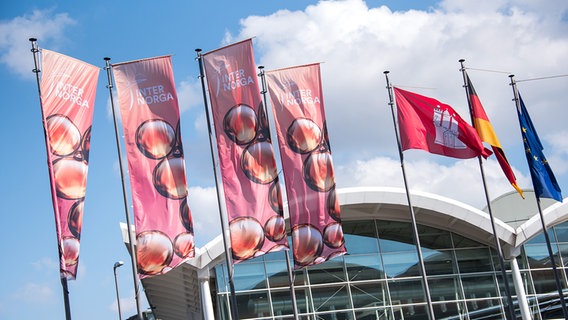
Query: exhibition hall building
column 380, row 277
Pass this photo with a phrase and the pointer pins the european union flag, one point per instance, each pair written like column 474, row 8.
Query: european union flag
column 544, row 182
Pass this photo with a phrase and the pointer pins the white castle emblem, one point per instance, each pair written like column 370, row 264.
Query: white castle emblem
column 446, row 129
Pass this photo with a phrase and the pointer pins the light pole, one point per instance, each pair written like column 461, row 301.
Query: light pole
column 116, row 265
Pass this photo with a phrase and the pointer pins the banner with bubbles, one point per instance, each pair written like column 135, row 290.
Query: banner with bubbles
column 297, row 103
column 151, row 122
column 247, row 165
column 68, row 88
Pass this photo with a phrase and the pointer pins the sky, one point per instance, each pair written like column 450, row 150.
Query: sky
column 419, row 42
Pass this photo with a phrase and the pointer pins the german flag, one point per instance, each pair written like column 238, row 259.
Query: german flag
column 487, row 134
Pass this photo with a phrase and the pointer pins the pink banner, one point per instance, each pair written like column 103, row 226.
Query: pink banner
column 297, row 102
column 68, row 88
column 150, row 118
column 248, row 168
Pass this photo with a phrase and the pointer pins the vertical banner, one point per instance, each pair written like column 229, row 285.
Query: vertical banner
column 297, row 101
column 68, row 88
column 150, row 119
column 247, row 165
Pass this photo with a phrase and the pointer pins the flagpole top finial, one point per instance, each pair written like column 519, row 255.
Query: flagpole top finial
column 511, row 75
column 261, row 67
column 33, row 39
column 106, row 59
column 386, row 72
column 198, row 50
column 461, row 60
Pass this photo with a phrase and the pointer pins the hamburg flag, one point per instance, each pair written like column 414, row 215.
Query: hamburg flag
column 151, row 122
column 246, row 157
column 297, row 102
column 487, row 134
column 68, row 88
column 428, row 124
column 544, row 182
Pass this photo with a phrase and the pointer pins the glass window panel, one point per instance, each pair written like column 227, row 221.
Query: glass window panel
column 544, row 281
column 474, row 260
column 479, row 286
column 564, row 255
column 444, row 289
column 434, row 238
column 360, row 244
column 220, row 273
column 395, row 236
column 303, row 300
column 439, row 262
column 277, row 274
column 346, row 315
column 366, row 295
column 253, row 305
column 451, row 310
column 496, row 263
column 360, row 236
column 223, row 302
column 485, row 309
column 330, row 298
column 300, row 277
column 562, row 232
column 411, row 312
column 278, row 255
column 538, row 257
column 406, row 291
column 373, row 314
column 329, row 272
column 462, row 242
column 282, row 302
column 401, row 264
column 364, row 267
column 501, row 284
column 249, row 275
column 539, row 239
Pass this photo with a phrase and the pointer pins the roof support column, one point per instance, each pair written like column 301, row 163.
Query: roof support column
column 206, row 302
column 520, row 288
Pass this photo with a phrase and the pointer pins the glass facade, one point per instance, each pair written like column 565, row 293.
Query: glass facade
column 380, row 278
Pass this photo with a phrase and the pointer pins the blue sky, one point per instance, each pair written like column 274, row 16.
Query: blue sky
column 420, row 42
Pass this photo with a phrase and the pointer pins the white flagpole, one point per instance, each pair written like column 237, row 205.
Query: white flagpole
column 36, row 70
column 429, row 308
column 133, row 255
column 229, row 261
column 510, row 305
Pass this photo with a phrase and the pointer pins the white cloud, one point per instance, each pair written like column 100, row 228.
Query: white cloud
column 205, row 213
column 46, row 26
column 421, row 49
column 33, row 293
column 46, row 263
column 460, row 180
column 189, row 94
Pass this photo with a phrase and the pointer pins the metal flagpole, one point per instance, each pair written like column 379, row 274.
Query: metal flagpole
column 546, row 237
column 133, row 254
column 36, row 70
column 429, row 308
column 511, row 306
column 230, row 268
column 288, row 263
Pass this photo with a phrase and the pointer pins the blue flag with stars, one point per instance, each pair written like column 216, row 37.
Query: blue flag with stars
column 544, row 182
